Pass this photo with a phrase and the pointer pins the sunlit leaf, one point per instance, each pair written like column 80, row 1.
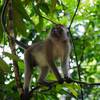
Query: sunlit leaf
column 76, row 86
column 19, row 24
column 21, row 65
column 70, row 87
column 58, row 87
column 11, row 56
column 26, row 2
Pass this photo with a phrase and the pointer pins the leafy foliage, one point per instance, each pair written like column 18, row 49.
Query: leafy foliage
column 30, row 26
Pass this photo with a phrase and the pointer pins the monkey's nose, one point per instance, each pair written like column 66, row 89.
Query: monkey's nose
column 55, row 31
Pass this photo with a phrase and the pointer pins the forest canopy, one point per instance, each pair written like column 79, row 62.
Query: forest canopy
column 32, row 21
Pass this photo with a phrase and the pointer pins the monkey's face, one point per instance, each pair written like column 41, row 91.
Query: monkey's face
column 59, row 32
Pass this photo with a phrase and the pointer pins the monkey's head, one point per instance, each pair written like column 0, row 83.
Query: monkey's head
column 59, row 32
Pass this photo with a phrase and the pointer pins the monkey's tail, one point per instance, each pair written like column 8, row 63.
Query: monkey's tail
column 21, row 44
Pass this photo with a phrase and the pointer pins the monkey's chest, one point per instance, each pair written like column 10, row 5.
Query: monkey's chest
column 41, row 59
column 58, row 52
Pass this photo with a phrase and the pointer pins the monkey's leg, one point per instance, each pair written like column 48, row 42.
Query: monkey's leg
column 65, row 62
column 57, row 74
column 43, row 74
column 65, row 69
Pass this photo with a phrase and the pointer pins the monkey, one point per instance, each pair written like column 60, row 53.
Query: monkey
column 56, row 46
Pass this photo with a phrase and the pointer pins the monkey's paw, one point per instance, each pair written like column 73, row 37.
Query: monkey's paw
column 68, row 79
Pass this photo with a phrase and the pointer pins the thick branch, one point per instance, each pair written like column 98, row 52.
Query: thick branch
column 12, row 47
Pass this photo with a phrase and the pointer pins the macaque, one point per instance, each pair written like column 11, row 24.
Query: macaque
column 56, row 46
column 44, row 54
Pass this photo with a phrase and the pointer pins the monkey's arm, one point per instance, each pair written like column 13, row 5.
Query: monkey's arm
column 56, row 72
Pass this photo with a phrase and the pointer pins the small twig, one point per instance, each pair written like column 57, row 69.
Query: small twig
column 85, row 83
column 47, row 19
column 74, row 14
column 78, row 66
column 40, row 86
column 84, row 44
column 38, row 13
column 3, row 19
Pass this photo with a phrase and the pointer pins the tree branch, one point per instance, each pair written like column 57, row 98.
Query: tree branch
column 78, row 65
column 12, row 47
column 47, row 19
column 39, row 14
column 74, row 14
column 56, row 82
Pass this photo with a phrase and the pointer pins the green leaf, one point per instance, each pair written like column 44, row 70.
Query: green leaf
column 53, row 5
column 18, row 6
column 21, row 18
column 1, row 30
column 39, row 26
column 4, row 66
column 44, row 7
column 19, row 24
column 11, row 56
column 58, row 87
column 76, row 86
column 70, row 87
column 21, row 65
column 26, row 2
column 92, row 80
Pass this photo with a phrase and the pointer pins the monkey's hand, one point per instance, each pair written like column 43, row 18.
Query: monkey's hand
column 68, row 79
